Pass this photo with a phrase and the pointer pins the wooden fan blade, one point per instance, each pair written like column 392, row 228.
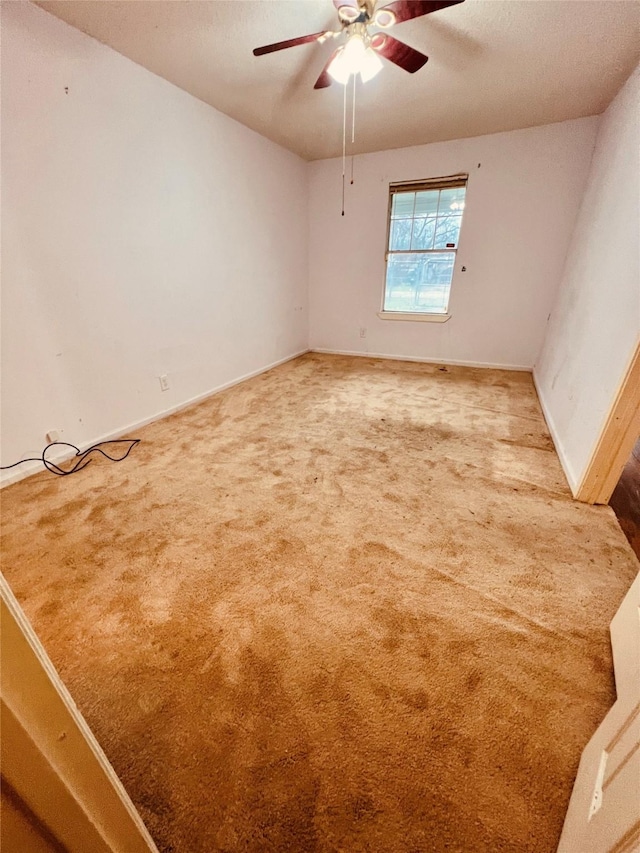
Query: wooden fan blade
column 398, row 52
column 325, row 79
column 404, row 10
column 281, row 45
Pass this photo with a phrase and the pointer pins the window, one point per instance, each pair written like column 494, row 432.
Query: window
column 424, row 226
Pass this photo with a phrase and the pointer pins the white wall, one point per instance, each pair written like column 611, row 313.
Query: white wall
column 143, row 233
column 595, row 323
column 520, row 209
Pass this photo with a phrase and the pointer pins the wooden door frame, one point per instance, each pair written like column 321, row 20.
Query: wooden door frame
column 67, row 793
column 603, row 814
column 617, row 438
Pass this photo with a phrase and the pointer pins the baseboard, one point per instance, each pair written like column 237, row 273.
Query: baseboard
column 557, row 443
column 30, row 468
column 420, row 359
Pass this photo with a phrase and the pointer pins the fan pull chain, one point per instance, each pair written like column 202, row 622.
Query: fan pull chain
column 353, row 111
column 344, row 142
column 353, row 120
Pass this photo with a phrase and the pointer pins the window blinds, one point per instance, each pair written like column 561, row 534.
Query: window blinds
column 448, row 182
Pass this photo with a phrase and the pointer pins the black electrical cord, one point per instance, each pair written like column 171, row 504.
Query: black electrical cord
column 81, row 456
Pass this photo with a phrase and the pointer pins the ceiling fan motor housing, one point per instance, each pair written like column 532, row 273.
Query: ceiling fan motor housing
column 352, row 13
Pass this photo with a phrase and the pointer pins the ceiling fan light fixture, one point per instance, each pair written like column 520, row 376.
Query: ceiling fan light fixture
column 339, row 69
column 355, row 58
column 384, row 18
column 353, row 53
column 349, row 14
column 371, row 64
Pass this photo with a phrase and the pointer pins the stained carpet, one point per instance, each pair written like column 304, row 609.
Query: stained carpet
column 348, row 605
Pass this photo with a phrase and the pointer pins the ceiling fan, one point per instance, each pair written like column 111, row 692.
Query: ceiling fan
column 361, row 51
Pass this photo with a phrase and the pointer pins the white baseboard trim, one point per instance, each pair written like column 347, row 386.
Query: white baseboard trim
column 557, row 443
column 29, row 468
column 451, row 361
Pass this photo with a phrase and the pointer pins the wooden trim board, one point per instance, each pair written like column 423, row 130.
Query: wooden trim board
column 604, row 810
column 616, row 441
column 50, row 758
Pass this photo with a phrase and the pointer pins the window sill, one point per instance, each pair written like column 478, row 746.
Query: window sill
column 421, row 318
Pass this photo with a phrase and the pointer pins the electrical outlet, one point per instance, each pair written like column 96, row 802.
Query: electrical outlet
column 54, row 435
column 164, row 382
column 363, row 332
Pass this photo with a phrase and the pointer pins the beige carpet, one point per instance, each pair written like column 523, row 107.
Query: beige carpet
column 346, row 606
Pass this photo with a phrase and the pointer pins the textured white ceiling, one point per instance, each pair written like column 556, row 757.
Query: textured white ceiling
column 494, row 65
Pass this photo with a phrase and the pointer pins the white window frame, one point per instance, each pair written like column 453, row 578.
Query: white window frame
column 448, row 182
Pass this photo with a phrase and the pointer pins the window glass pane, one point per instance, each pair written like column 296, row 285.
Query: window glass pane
column 400, row 237
column 402, row 205
column 427, row 203
column 451, row 201
column 419, row 283
column 447, row 231
column 423, row 233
